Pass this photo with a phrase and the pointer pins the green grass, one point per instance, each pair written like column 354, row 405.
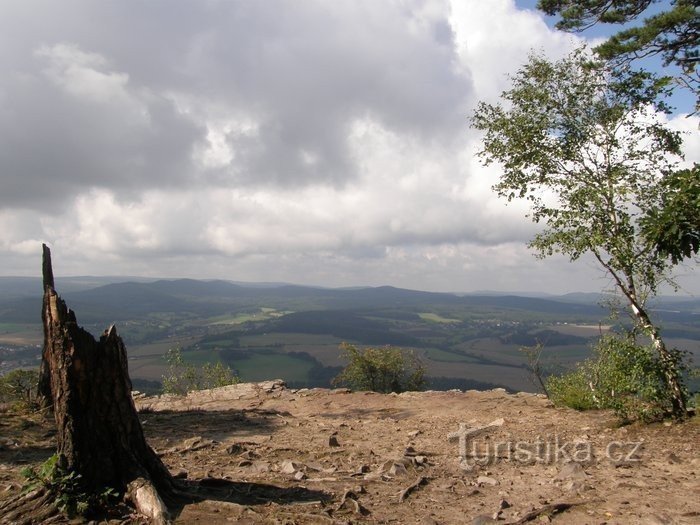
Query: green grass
column 435, row 354
column 200, row 357
column 287, row 340
column 435, row 318
column 262, row 314
column 21, row 333
column 260, row 367
column 222, row 343
column 14, row 327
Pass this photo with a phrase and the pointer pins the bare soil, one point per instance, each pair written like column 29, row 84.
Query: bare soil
column 262, row 453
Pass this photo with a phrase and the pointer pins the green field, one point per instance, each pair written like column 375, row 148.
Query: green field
column 21, row 333
column 435, row 354
column 260, row 367
column 426, row 316
column 261, row 314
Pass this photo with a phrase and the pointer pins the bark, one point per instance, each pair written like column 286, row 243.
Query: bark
column 670, row 367
column 44, row 388
column 99, row 435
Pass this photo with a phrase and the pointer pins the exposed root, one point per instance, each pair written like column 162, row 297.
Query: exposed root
column 413, row 486
column 551, row 509
column 36, row 506
column 148, row 502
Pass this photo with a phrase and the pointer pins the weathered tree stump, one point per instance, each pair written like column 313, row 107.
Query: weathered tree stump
column 99, row 435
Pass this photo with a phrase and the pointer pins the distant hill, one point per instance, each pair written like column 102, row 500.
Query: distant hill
column 100, row 299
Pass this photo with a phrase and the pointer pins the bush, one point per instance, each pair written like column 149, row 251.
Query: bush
column 386, row 369
column 185, row 377
column 19, row 387
column 622, row 376
column 572, row 389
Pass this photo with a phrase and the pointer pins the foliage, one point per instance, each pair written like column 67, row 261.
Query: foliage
column 386, row 369
column 578, row 144
column 571, row 389
column 69, row 493
column 185, row 377
column 20, row 387
column 672, row 33
column 622, row 376
column 579, row 140
column 673, row 229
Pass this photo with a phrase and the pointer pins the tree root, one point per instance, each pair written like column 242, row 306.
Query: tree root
column 413, row 486
column 36, row 506
column 553, row 508
column 147, row 501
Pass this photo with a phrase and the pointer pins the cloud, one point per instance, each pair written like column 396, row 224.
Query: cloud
column 72, row 124
column 317, row 142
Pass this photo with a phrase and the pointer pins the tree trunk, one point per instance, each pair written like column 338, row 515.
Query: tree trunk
column 99, row 434
column 670, row 366
column 671, row 370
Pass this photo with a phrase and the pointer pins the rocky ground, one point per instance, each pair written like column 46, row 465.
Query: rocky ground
column 276, row 455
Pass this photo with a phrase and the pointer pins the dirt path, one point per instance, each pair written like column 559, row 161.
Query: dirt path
column 274, row 455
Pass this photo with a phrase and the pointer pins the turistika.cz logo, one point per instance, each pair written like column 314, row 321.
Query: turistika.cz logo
column 477, row 453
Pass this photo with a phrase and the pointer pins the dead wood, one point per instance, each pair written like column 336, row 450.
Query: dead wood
column 413, row 486
column 552, row 508
column 99, row 434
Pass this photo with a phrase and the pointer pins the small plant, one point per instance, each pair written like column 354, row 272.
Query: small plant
column 185, row 377
column 20, row 388
column 386, row 369
column 621, row 375
column 70, row 497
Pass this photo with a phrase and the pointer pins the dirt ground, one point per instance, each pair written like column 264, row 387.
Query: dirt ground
column 277, row 455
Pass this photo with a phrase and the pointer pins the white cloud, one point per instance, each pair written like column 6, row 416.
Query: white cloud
column 315, row 142
column 77, row 72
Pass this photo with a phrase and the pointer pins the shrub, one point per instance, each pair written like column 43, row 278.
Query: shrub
column 622, row 376
column 386, row 369
column 572, row 389
column 20, row 388
column 185, row 377
column 67, row 489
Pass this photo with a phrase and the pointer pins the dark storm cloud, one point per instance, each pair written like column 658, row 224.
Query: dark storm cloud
column 118, row 95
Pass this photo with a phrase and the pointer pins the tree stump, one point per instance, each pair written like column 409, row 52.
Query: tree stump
column 99, row 435
column 44, row 388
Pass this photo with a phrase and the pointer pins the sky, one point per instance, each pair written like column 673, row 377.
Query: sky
column 313, row 142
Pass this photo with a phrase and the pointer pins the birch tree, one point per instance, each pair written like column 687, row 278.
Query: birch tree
column 583, row 143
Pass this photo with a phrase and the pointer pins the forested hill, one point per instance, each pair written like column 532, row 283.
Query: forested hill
column 20, row 299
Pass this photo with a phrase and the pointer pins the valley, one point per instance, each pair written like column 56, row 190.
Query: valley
column 293, row 333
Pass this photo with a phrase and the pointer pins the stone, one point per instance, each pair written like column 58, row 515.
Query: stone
column 235, row 448
column 486, row 480
column 260, row 466
column 397, row 469
column 483, row 519
column 289, row 467
column 362, row 469
column 571, row 471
